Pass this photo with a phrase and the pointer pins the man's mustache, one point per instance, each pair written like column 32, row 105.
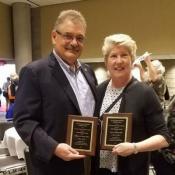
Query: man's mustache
column 73, row 48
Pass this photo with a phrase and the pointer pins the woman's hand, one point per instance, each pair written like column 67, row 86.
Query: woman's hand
column 124, row 149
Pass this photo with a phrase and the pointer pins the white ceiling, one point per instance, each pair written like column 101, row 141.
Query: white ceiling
column 37, row 3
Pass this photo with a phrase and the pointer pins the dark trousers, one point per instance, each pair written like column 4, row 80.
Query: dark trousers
column 104, row 171
column 161, row 166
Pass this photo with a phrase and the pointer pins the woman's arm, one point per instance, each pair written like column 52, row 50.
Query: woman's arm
column 152, row 143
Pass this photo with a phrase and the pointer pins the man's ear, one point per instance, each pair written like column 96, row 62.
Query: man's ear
column 53, row 37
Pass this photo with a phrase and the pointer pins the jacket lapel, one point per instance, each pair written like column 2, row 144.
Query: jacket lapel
column 62, row 80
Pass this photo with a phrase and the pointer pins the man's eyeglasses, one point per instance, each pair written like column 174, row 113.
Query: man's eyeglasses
column 70, row 37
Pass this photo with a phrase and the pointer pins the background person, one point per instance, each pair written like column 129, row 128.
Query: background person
column 154, row 76
column 164, row 159
column 0, row 96
column 11, row 90
column 149, row 131
column 51, row 89
column 5, row 92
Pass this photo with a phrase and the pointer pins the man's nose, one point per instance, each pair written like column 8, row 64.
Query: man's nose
column 74, row 41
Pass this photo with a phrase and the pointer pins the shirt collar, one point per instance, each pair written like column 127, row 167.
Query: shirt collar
column 75, row 68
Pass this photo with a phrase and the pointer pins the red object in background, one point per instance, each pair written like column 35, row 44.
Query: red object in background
column 2, row 62
column 2, row 108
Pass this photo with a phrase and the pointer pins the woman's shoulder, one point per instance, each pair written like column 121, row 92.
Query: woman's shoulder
column 103, row 84
column 141, row 85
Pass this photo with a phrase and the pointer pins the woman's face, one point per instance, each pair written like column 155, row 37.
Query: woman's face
column 119, row 63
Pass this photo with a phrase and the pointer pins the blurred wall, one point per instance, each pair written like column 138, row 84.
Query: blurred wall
column 6, row 36
column 149, row 22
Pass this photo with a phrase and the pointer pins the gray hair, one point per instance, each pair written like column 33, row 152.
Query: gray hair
column 120, row 40
column 73, row 15
column 158, row 66
column 14, row 76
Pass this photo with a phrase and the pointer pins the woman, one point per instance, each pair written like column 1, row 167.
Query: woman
column 164, row 159
column 148, row 129
column 154, row 77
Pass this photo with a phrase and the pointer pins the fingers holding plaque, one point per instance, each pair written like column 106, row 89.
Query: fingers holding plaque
column 116, row 128
column 81, row 134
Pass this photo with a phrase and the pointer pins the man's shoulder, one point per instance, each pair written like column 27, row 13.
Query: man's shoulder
column 50, row 59
column 36, row 67
column 38, row 63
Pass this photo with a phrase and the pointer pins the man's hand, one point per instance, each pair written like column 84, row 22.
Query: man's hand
column 67, row 153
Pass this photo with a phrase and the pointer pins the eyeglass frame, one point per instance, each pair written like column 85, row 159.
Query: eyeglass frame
column 70, row 37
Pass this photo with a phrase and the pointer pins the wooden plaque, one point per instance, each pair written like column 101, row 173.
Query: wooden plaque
column 116, row 128
column 81, row 134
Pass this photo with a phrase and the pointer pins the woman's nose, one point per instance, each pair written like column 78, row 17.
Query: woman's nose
column 119, row 59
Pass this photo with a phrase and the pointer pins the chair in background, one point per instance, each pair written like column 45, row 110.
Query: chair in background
column 3, row 127
column 11, row 165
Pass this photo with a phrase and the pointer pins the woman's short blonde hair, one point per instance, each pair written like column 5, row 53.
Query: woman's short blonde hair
column 120, row 40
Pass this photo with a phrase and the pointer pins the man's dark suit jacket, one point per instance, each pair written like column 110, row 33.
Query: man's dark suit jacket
column 147, row 120
column 43, row 102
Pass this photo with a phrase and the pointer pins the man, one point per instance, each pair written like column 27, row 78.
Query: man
column 51, row 89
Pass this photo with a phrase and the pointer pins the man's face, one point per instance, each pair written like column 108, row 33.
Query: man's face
column 68, row 41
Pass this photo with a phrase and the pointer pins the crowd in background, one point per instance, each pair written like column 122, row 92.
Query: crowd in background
column 9, row 89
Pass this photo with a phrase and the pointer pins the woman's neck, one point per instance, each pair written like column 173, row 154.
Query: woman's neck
column 120, row 82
